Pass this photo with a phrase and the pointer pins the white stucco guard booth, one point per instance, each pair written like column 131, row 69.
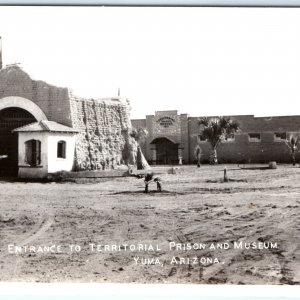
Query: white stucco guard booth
column 45, row 147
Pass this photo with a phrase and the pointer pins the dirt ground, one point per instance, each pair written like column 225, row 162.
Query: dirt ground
column 195, row 207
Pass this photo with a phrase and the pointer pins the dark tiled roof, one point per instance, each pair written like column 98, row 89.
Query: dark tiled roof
column 49, row 126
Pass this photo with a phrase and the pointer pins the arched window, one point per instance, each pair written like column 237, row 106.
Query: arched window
column 33, row 152
column 61, row 149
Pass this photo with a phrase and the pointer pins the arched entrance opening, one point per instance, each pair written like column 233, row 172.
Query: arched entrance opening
column 166, row 151
column 11, row 118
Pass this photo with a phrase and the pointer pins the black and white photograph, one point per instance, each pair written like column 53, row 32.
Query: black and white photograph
column 156, row 145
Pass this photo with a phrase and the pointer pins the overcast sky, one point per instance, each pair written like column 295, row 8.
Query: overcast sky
column 199, row 61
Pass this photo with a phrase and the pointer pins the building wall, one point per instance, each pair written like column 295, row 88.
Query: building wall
column 26, row 171
column 239, row 150
column 172, row 131
column 175, row 130
column 53, row 101
column 56, row 164
column 184, row 144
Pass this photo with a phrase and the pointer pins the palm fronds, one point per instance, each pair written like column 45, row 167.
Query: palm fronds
column 215, row 130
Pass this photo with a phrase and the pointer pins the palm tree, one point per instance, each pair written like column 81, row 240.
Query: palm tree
column 198, row 153
column 139, row 134
column 293, row 142
column 215, row 130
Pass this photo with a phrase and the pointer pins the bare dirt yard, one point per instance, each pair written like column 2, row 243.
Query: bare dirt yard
column 197, row 230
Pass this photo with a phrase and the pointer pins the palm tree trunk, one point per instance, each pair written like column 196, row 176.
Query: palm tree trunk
column 213, row 157
column 198, row 160
column 293, row 158
column 198, row 156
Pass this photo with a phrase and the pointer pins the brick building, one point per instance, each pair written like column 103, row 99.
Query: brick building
column 261, row 139
column 101, row 126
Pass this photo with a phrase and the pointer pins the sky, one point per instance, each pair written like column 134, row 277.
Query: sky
column 199, row 61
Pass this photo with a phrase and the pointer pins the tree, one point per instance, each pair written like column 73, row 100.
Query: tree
column 140, row 135
column 293, row 142
column 198, row 153
column 216, row 130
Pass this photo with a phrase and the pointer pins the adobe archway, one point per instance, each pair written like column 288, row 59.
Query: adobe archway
column 23, row 103
column 14, row 112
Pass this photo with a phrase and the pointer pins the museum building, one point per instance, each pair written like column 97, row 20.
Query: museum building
column 173, row 137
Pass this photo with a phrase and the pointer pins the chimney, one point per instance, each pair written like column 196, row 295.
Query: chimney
column 0, row 53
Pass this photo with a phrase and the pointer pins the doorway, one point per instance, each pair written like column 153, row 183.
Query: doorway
column 11, row 118
column 166, row 151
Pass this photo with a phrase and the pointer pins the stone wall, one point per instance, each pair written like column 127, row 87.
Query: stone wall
column 104, row 127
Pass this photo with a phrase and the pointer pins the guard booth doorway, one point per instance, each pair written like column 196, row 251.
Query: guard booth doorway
column 166, row 151
column 11, row 118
